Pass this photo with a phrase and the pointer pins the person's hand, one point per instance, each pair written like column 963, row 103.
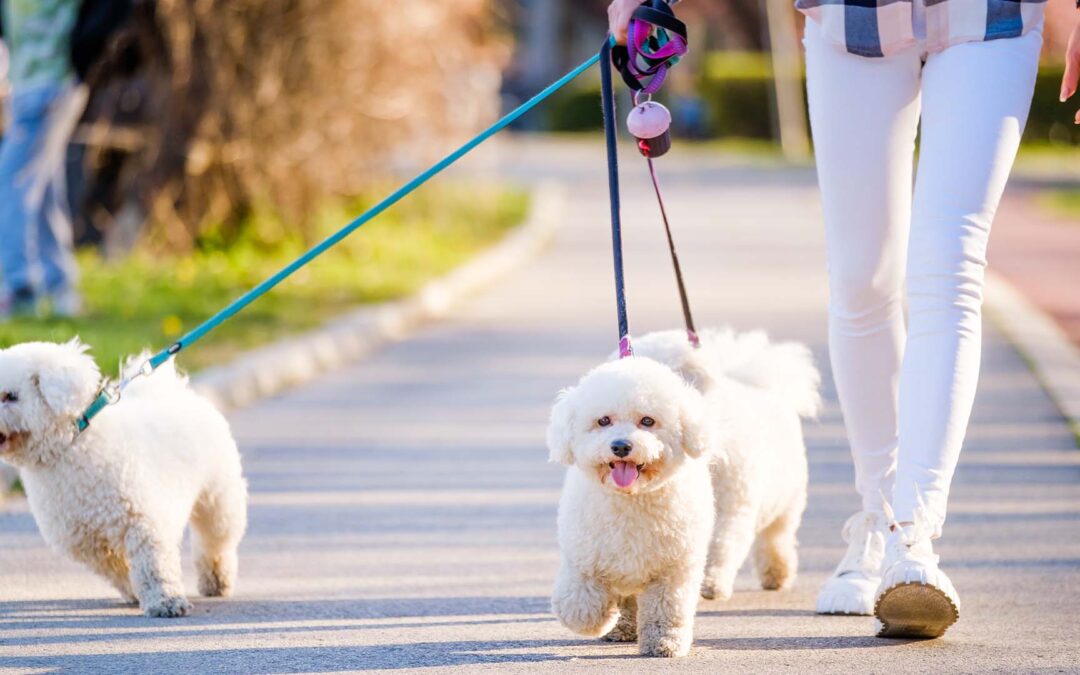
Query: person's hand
column 619, row 14
column 1072, row 68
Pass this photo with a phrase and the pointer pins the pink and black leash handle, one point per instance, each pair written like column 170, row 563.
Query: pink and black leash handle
column 657, row 40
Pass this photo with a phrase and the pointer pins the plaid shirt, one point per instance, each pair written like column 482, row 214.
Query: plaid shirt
column 38, row 35
column 884, row 27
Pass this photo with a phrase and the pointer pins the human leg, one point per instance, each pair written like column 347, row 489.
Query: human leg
column 864, row 113
column 976, row 100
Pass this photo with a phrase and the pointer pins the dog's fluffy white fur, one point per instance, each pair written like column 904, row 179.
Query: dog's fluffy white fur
column 681, row 459
column 118, row 497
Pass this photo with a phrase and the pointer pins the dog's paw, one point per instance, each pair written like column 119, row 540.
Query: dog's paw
column 669, row 645
column 212, row 585
column 169, row 608
column 775, row 579
column 624, row 631
column 217, row 575
column 711, row 589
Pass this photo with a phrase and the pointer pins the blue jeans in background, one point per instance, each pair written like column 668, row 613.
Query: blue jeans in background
column 36, row 252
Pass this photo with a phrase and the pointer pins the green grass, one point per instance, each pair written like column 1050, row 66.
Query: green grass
column 147, row 301
column 1064, row 203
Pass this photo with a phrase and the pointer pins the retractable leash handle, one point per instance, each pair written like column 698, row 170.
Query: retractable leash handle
column 656, row 41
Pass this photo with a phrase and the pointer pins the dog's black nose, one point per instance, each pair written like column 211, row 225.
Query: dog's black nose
column 621, row 448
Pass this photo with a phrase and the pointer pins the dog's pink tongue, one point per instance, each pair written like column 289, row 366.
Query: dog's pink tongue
column 624, row 474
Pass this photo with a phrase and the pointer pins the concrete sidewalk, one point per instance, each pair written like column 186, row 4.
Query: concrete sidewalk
column 403, row 513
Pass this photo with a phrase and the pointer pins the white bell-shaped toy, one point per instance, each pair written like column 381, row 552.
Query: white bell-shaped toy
column 650, row 123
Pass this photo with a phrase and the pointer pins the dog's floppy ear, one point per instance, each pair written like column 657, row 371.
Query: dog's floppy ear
column 697, row 435
column 560, row 431
column 67, row 379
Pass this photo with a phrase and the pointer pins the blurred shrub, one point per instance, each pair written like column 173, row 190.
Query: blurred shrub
column 138, row 302
column 576, row 109
column 285, row 102
column 1051, row 121
column 736, row 88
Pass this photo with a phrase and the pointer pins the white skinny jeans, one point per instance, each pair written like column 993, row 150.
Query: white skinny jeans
column 907, row 392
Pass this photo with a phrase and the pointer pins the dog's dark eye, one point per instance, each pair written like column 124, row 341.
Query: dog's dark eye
column 9, row 397
column 604, row 421
column 647, row 422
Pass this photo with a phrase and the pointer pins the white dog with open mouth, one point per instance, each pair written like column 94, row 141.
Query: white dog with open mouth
column 673, row 479
column 118, row 496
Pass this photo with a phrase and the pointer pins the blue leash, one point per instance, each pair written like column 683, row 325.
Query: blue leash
column 110, row 392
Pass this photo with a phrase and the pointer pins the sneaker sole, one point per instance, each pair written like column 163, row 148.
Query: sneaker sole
column 914, row 610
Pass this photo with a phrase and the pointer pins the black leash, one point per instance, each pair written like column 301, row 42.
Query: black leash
column 688, row 317
column 647, row 58
column 607, row 94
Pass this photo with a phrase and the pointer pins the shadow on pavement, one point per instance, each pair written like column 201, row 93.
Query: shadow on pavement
column 723, row 613
column 801, row 643
column 107, row 613
column 302, row 659
column 399, row 655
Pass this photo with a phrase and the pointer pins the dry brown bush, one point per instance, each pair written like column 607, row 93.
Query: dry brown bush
column 286, row 102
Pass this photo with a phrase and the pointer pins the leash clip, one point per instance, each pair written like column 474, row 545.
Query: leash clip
column 108, row 395
column 112, row 392
column 145, row 370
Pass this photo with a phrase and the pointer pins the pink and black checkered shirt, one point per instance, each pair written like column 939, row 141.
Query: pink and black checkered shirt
column 884, row 27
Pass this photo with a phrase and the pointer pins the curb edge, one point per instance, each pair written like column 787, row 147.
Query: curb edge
column 293, row 361
column 1050, row 354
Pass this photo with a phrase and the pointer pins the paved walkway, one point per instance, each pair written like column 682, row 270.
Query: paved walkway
column 403, row 514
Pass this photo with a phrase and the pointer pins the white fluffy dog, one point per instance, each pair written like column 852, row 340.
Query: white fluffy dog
column 756, row 392
column 673, row 479
column 118, row 497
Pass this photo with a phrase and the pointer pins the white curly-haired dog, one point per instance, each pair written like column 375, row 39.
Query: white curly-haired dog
column 756, row 393
column 118, row 496
column 673, row 477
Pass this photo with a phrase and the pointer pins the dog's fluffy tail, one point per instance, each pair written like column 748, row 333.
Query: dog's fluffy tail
column 165, row 378
column 786, row 368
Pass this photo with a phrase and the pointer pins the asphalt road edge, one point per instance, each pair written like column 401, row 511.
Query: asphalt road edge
column 1053, row 358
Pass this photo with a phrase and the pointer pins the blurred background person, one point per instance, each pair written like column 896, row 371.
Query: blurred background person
column 36, row 257
column 53, row 46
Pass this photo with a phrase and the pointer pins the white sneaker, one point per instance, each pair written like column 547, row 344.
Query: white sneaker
column 851, row 588
column 916, row 599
